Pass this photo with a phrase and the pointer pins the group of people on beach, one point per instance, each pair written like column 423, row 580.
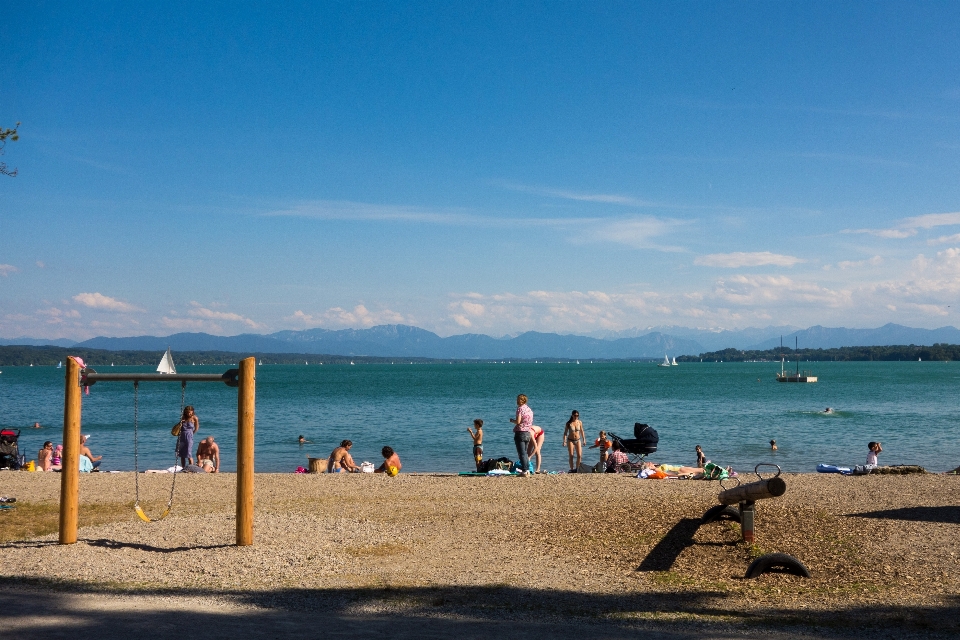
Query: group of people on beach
column 340, row 461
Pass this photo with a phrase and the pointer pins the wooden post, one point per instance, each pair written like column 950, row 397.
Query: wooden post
column 246, row 410
column 760, row 490
column 70, row 474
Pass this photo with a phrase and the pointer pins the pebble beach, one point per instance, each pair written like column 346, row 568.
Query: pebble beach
column 564, row 549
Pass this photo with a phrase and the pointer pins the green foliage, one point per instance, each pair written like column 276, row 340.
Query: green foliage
column 8, row 134
column 839, row 354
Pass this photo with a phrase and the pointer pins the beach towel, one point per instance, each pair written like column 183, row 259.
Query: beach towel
column 831, row 468
column 86, row 466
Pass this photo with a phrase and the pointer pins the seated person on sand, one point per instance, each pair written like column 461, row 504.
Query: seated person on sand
column 617, row 458
column 85, row 451
column 56, row 462
column 340, row 460
column 208, row 455
column 45, row 457
column 391, row 462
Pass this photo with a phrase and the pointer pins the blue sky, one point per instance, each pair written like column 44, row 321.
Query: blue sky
column 478, row 167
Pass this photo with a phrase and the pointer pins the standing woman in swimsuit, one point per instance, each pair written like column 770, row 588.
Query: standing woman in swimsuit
column 189, row 425
column 536, row 444
column 574, row 439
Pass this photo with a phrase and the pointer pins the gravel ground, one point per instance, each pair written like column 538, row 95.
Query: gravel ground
column 547, row 552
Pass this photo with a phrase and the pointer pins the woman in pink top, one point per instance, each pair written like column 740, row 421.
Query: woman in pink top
column 522, row 435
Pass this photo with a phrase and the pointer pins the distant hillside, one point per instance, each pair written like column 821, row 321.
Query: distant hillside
column 889, row 334
column 939, row 352
column 403, row 341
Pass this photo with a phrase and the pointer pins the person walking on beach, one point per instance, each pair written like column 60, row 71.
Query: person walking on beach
column 391, row 462
column 523, row 424
column 341, row 460
column 477, row 441
column 189, row 425
column 603, row 444
column 574, row 439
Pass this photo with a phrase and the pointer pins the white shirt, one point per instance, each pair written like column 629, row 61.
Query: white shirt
column 872, row 458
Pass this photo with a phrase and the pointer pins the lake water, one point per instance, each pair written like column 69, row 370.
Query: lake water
column 423, row 410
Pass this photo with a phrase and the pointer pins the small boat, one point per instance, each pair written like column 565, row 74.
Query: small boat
column 60, row 365
column 166, row 363
column 674, row 363
column 261, row 363
column 786, row 376
column 351, row 363
column 665, row 363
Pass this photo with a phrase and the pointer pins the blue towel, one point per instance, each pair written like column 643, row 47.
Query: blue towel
column 831, row 468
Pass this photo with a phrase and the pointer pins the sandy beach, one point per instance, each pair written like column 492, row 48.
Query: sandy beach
column 555, row 556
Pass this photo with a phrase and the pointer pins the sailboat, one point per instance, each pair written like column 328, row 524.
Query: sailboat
column 261, row 363
column 60, row 365
column 674, row 363
column 166, row 363
column 666, row 362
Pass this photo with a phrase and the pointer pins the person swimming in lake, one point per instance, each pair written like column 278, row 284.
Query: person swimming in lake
column 773, row 445
column 828, row 410
column 302, row 440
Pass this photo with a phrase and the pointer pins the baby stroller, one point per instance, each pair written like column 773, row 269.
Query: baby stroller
column 9, row 453
column 637, row 448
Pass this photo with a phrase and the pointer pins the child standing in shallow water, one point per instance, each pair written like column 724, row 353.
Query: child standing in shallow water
column 477, row 441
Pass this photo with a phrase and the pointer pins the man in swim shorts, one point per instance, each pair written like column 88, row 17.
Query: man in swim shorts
column 391, row 462
column 477, row 441
column 340, row 459
column 208, row 455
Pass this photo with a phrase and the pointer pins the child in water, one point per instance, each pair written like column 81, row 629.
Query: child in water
column 477, row 441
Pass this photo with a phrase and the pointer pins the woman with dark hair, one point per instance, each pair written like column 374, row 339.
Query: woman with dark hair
column 391, row 462
column 341, row 460
column 189, row 425
column 574, row 439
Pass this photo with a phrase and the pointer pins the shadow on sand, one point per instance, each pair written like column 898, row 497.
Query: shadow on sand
column 80, row 610
column 949, row 515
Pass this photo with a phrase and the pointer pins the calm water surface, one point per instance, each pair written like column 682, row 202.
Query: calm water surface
column 422, row 411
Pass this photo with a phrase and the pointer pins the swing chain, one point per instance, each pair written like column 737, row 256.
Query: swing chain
column 136, row 451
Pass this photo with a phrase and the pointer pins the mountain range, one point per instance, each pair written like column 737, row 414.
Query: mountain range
column 401, row 340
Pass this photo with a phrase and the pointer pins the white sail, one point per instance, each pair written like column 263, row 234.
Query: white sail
column 674, row 363
column 166, row 364
column 665, row 363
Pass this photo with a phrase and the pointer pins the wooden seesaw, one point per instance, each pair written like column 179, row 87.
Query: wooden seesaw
column 745, row 495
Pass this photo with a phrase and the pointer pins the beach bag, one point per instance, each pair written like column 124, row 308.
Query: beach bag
column 366, row 467
column 177, row 428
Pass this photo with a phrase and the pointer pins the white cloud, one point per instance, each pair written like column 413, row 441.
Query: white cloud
column 337, row 317
column 741, row 259
column 105, row 303
column 364, row 211
column 855, row 264
column 945, row 239
column 7, row 269
column 199, row 311
column 566, row 194
column 639, row 233
column 41, row 264
column 908, row 226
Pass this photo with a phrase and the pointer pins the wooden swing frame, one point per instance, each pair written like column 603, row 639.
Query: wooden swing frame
column 76, row 378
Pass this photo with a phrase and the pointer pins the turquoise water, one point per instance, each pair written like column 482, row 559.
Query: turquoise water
column 423, row 411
